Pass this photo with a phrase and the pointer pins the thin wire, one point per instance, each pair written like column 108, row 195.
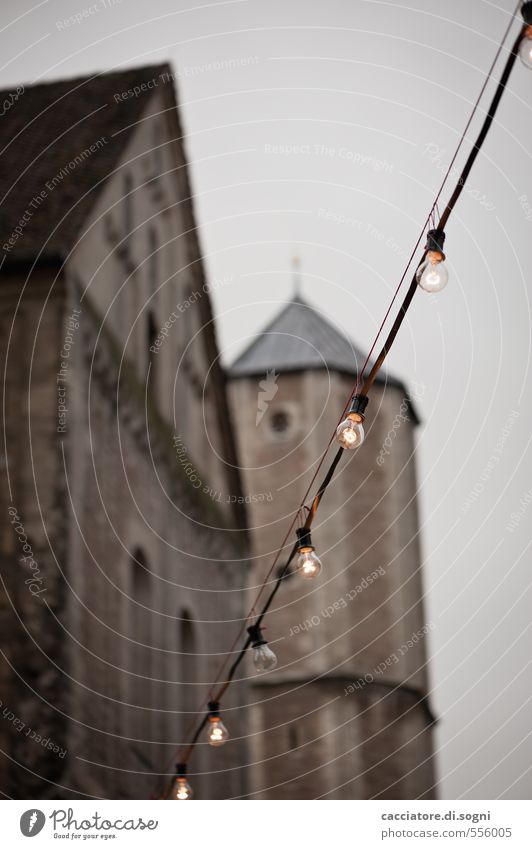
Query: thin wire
column 488, row 121
column 177, row 757
column 279, row 552
column 445, row 178
column 484, row 130
column 321, row 490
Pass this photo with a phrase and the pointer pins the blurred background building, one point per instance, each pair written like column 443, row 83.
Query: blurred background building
column 345, row 715
column 125, row 541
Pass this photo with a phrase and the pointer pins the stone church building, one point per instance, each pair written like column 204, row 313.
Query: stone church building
column 128, row 546
column 141, row 571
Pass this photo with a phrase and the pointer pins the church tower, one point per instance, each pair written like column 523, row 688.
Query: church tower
column 345, row 714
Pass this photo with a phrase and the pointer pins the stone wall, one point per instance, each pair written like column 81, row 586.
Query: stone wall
column 33, row 591
column 122, row 470
column 154, row 574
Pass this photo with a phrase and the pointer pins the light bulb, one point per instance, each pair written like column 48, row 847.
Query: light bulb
column 525, row 50
column 263, row 658
column 432, row 275
column 308, row 563
column 350, row 433
column 181, row 790
column 217, row 733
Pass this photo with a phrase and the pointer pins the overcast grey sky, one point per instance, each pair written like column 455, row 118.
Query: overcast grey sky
column 325, row 125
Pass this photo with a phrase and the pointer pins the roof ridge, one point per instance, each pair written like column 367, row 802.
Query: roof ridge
column 89, row 77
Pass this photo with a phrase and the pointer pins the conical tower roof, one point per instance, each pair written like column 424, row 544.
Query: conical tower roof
column 298, row 339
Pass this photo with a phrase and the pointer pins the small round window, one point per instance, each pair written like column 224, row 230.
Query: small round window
column 280, row 422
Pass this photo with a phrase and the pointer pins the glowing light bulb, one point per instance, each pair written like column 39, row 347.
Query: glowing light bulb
column 263, row 658
column 350, row 433
column 308, row 563
column 181, row 789
column 525, row 49
column 432, row 275
column 217, row 733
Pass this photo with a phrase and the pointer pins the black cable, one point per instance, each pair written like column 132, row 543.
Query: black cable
column 323, row 487
column 223, row 687
column 484, row 131
column 368, row 382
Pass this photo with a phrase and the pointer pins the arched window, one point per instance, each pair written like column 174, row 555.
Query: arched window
column 151, row 335
column 140, row 651
column 153, row 260
column 140, row 572
column 293, row 737
column 188, row 667
column 128, row 204
column 157, row 152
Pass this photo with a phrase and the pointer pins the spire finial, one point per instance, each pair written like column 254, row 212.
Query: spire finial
column 296, row 273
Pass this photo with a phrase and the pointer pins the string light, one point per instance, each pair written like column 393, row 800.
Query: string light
column 264, row 660
column 350, row 432
column 308, row 562
column 217, row 733
column 431, row 275
column 525, row 51
column 181, row 789
column 525, row 48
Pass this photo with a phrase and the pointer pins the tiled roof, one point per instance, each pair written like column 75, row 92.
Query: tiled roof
column 42, row 133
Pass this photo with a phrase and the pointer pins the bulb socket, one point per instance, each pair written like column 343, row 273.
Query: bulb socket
column 435, row 242
column 255, row 635
column 180, row 770
column 357, row 407
column 526, row 12
column 214, row 710
column 304, row 540
column 435, row 257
